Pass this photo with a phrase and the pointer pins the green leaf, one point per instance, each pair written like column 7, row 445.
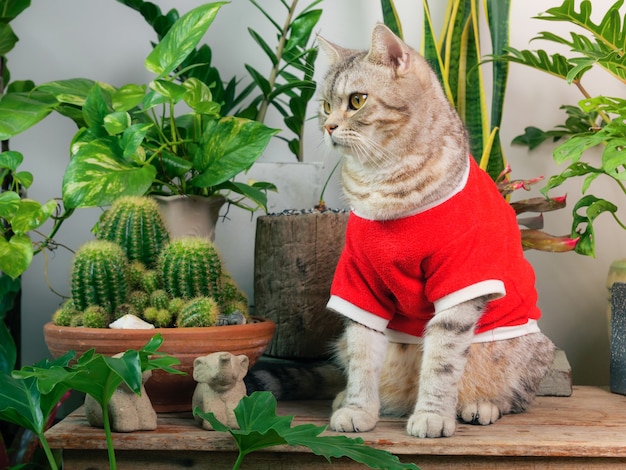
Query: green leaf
column 15, row 255
column 97, row 106
column 172, row 91
column 19, row 112
column 128, row 97
column 116, row 122
column 8, row 39
column 8, row 353
column 9, row 204
column 31, row 215
column 582, row 224
column 72, row 91
column 97, row 174
column 260, row 427
column 20, row 403
column 228, row 146
column 181, row 39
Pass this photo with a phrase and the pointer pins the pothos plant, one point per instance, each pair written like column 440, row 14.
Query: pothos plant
column 596, row 121
column 455, row 56
column 164, row 137
column 287, row 86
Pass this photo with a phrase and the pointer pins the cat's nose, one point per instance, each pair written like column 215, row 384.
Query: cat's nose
column 330, row 128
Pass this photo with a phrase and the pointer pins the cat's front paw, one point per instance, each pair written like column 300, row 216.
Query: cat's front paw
column 480, row 413
column 352, row 419
column 430, row 425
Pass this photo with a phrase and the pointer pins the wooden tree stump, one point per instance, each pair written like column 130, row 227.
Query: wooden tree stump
column 295, row 260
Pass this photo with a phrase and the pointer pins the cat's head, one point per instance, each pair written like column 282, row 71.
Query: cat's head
column 374, row 103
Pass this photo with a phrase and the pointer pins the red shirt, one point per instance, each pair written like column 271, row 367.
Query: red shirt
column 394, row 274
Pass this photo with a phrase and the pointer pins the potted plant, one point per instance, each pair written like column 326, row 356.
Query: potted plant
column 164, row 138
column 132, row 281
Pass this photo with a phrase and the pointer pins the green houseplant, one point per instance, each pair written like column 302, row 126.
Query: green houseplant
column 133, row 141
column 596, row 121
column 136, row 280
column 456, row 58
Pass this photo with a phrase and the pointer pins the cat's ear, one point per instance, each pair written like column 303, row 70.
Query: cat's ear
column 333, row 51
column 388, row 49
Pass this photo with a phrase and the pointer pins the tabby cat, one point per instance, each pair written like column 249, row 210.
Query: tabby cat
column 440, row 304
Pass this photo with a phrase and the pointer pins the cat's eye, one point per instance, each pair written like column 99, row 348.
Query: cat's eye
column 357, row 100
column 326, row 107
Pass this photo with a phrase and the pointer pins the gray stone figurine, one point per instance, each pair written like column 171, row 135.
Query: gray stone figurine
column 220, row 386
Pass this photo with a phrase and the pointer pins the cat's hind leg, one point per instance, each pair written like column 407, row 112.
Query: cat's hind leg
column 363, row 354
column 502, row 377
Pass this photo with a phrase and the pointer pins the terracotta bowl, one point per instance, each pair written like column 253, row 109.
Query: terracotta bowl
column 168, row 392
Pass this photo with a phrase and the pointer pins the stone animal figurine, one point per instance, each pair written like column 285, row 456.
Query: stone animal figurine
column 220, row 386
column 439, row 301
column 128, row 411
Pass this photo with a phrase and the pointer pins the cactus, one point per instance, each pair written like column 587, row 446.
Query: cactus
column 135, row 223
column 136, row 271
column 201, row 311
column 96, row 316
column 139, row 300
column 230, row 292
column 150, row 281
column 176, row 305
column 190, row 267
column 126, row 309
column 64, row 314
column 99, row 276
column 159, row 317
column 159, row 299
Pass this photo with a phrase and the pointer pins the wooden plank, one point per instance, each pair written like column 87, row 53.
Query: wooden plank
column 588, row 427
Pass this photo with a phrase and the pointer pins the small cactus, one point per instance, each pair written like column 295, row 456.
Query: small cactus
column 190, row 267
column 139, row 300
column 64, row 314
column 136, row 271
column 99, row 276
column 125, row 309
column 176, row 305
column 159, row 317
column 135, row 223
column 201, row 311
column 96, row 316
column 150, row 281
column 159, row 299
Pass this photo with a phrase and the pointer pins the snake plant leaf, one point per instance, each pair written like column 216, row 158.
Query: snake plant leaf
column 16, row 255
column 228, row 146
column 98, row 174
column 181, row 39
column 391, row 18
